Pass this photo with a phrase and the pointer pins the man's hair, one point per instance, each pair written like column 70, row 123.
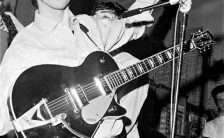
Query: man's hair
column 34, row 3
column 216, row 91
column 113, row 6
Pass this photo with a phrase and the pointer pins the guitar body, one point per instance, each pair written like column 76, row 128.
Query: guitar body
column 49, row 82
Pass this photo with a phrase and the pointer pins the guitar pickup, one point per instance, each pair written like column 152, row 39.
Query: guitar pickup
column 77, row 97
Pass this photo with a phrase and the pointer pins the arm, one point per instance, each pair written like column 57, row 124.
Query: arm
column 5, row 123
column 120, row 34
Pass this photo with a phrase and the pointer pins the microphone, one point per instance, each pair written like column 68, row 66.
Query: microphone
column 83, row 28
column 140, row 10
column 185, row 7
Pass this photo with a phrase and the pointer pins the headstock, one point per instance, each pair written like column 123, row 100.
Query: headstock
column 202, row 40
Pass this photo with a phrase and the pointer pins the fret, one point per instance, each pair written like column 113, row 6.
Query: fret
column 155, row 60
column 140, row 68
column 136, row 70
column 121, row 77
column 124, row 76
column 148, row 66
column 144, row 67
column 165, row 57
column 109, row 78
column 176, row 51
column 169, row 54
column 171, row 51
column 130, row 73
column 151, row 63
column 113, row 75
column 123, row 73
column 117, row 80
column 160, row 58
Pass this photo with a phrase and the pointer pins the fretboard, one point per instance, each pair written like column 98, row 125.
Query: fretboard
column 123, row 76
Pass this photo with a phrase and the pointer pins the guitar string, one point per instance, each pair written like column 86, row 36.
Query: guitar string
column 88, row 93
column 55, row 100
column 117, row 75
column 52, row 103
column 89, row 87
column 59, row 106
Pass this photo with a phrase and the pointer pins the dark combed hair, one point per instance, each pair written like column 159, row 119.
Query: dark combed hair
column 34, row 3
column 217, row 90
column 113, row 6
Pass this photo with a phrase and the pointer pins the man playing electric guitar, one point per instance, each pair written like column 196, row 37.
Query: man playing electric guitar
column 57, row 37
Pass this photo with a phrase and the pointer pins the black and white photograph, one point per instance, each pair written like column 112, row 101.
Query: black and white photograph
column 111, row 68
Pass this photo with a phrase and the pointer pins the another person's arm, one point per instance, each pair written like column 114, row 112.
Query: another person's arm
column 121, row 34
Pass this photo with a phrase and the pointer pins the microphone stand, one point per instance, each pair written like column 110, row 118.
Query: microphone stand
column 140, row 10
column 181, row 44
column 182, row 36
column 185, row 8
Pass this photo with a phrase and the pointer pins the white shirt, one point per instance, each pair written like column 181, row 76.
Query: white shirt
column 46, row 42
column 214, row 128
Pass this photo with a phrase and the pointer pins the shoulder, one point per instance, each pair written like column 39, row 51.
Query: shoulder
column 85, row 19
column 26, row 34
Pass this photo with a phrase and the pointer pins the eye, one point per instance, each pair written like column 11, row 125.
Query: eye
column 106, row 17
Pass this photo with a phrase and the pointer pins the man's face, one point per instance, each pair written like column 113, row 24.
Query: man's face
column 104, row 19
column 56, row 4
column 220, row 101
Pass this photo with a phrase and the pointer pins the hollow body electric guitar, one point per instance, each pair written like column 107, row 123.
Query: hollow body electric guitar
column 51, row 101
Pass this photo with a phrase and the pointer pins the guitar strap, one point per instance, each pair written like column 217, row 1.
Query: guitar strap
column 86, row 30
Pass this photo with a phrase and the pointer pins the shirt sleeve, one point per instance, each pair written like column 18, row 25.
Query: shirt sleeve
column 124, row 30
column 8, row 75
column 5, row 123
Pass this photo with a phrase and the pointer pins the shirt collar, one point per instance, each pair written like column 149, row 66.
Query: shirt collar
column 49, row 25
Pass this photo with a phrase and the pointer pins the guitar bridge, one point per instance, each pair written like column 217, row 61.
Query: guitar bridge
column 33, row 118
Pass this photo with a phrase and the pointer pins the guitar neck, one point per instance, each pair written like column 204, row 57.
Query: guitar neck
column 123, row 76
